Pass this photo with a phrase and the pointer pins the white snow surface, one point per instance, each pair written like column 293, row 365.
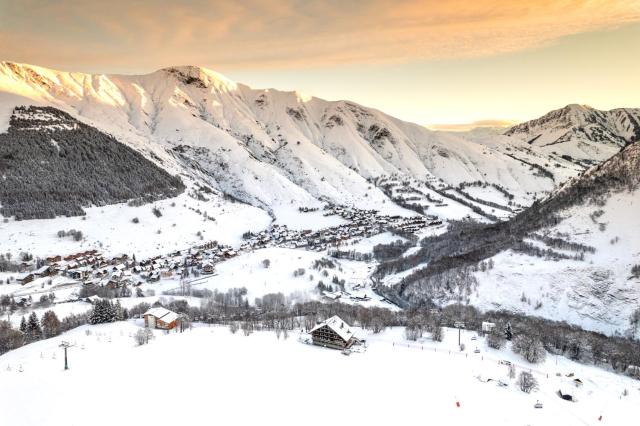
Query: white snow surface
column 421, row 382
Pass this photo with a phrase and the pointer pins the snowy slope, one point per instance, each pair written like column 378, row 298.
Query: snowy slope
column 600, row 292
column 596, row 293
column 568, row 257
column 421, row 384
column 585, row 134
column 274, row 149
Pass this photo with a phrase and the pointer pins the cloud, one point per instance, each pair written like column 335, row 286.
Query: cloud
column 143, row 35
column 463, row 127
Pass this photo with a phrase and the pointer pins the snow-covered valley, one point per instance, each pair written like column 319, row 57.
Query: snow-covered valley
column 227, row 197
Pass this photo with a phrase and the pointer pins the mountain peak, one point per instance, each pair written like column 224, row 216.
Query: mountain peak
column 200, row 76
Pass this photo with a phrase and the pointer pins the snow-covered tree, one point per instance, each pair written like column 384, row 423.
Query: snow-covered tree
column 103, row 311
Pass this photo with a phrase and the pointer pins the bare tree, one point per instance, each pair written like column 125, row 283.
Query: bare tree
column 143, row 336
column 496, row 339
column 530, row 348
column 526, row 382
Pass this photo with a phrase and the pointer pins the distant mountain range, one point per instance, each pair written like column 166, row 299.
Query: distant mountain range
column 276, row 149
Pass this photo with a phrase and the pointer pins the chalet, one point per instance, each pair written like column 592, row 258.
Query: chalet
column 54, row 259
column 120, row 258
column 161, row 318
column 44, row 271
column 26, row 279
column 333, row 333
column 77, row 274
column 207, row 268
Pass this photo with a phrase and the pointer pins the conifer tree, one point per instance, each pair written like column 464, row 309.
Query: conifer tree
column 508, row 334
column 34, row 331
column 23, row 326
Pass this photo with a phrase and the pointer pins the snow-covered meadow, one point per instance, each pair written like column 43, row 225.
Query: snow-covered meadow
column 208, row 375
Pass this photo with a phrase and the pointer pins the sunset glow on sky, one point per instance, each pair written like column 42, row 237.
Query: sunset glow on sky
column 430, row 62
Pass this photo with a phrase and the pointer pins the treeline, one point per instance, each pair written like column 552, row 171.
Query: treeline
column 395, row 249
column 485, row 202
column 57, row 166
column 466, row 243
column 547, row 253
column 528, row 334
column 541, row 171
column 33, row 329
column 387, row 189
column 280, row 313
column 481, row 184
column 464, row 202
column 350, row 255
column 563, row 244
column 24, row 261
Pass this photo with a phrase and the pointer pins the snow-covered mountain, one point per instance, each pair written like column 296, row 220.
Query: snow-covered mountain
column 581, row 133
column 571, row 256
column 276, row 149
column 597, row 210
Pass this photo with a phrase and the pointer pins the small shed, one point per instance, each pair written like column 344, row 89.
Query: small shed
column 161, row 318
column 487, row 327
column 333, row 333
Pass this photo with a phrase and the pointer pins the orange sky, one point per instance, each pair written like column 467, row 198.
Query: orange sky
column 426, row 61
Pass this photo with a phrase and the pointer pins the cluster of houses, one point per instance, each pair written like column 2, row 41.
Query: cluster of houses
column 76, row 264
column 95, row 270
column 362, row 223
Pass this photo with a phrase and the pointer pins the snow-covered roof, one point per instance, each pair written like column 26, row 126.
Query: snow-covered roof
column 162, row 313
column 41, row 270
column 336, row 324
column 170, row 317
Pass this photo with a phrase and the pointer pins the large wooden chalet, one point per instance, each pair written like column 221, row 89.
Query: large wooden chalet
column 161, row 318
column 333, row 333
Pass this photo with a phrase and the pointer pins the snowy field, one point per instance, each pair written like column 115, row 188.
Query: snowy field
column 207, row 375
column 111, row 230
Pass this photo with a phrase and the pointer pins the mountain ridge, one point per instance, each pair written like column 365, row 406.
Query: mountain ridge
column 309, row 147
